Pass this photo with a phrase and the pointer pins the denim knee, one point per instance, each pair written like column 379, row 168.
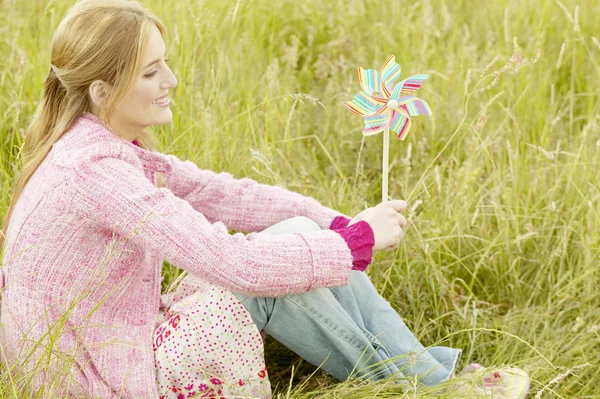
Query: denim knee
column 297, row 224
column 303, row 223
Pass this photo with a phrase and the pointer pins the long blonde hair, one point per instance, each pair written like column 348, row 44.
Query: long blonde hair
column 95, row 41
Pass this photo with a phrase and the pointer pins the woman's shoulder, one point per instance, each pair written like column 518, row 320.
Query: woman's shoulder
column 87, row 140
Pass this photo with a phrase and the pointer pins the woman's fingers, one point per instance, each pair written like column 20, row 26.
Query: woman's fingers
column 397, row 205
column 402, row 221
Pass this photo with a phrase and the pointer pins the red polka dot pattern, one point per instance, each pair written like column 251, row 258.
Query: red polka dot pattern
column 207, row 346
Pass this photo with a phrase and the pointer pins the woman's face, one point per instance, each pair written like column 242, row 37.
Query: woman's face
column 145, row 105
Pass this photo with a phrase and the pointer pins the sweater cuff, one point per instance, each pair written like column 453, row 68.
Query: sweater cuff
column 360, row 240
column 339, row 222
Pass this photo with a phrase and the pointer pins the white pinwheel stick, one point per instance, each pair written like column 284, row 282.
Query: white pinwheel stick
column 385, row 166
column 392, row 106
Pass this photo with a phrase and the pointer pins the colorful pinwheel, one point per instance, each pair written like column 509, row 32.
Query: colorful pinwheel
column 379, row 95
column 386, row 106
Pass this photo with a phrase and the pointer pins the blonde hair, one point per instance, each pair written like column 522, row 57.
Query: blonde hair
column 94, row 41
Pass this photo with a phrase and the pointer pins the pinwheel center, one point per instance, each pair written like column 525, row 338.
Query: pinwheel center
column 392, row 104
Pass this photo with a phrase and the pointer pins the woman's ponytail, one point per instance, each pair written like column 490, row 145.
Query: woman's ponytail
column 40, row 136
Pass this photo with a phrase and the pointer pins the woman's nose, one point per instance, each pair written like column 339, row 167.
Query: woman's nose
column 170, row 83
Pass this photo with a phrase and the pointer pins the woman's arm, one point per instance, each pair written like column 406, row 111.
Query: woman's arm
column 111, row 191
column 241, row 204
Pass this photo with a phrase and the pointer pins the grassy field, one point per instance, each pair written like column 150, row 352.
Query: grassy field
column 502, row 182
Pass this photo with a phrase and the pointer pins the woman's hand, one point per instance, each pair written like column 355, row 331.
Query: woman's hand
column 387, row 222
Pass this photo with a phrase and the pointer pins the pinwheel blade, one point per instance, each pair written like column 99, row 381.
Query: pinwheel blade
column 415, row 106
column 389, row 73
column 375, row 124
column 410, row 85
column 381, row 109
column 379, row 99
column 396, row 95
column 369, row 80
column 400, row 123
column 362, row 104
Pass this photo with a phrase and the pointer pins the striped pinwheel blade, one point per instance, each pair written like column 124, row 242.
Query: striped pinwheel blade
column 415, row 106
column 369, row 80
column 389, row 73
column 362, row 104
column 381, row 109
column 410, row 85
column 375, row 124
column 400, row 123
column 397, row 93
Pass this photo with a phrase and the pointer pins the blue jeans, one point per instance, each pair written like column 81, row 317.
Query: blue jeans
column 348, row 330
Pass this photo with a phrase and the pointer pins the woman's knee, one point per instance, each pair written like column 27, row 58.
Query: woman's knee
column 297, row 224
column 303, row 223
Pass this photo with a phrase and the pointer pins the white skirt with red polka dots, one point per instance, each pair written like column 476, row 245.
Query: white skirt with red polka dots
column 207, row 346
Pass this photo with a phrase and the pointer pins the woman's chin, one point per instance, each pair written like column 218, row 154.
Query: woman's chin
column 163, row 117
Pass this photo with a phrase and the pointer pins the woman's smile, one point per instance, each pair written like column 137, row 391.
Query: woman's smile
column 162, row 102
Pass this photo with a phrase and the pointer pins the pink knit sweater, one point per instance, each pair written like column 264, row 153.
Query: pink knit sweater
column 86, row 243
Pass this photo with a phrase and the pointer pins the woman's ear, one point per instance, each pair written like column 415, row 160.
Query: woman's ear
column 98, row 92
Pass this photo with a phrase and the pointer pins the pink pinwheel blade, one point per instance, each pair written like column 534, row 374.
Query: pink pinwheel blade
column 415, row 106
column 400, row 123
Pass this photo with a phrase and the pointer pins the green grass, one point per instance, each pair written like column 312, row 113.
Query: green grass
column 501, row 257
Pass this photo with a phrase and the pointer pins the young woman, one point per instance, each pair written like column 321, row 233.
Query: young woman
column 97, row 209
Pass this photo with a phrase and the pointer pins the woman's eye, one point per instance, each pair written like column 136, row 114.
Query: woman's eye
column 151, row 74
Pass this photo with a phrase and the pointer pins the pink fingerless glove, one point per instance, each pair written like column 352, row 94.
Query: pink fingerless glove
column 339, row 222
column 360, row 240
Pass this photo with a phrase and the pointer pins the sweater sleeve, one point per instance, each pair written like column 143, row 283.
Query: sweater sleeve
column 241, row 204
column 111, row 191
